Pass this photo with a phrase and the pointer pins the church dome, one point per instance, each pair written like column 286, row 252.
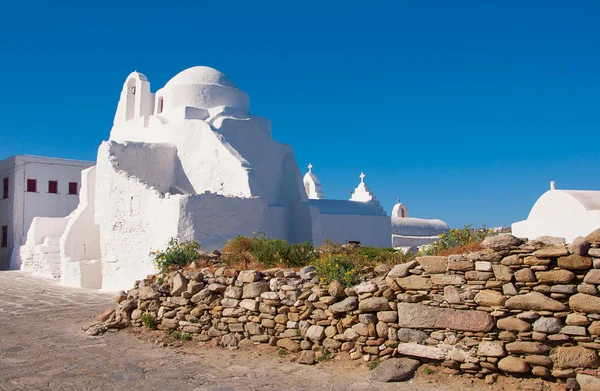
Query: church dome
column 409, row 226
column 201, row 75
column 201, row 87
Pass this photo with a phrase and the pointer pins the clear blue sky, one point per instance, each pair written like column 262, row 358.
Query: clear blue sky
column 463, row 109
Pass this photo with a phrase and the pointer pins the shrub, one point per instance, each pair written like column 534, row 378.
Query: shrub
column 176, row 334
column 176, row 254
column 457, row 241
column 186, row 337
column 148, row 321
column 337, row 267
column 238, row 252
column 374, row 364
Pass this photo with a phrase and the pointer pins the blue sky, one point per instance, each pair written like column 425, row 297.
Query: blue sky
column 463, row 109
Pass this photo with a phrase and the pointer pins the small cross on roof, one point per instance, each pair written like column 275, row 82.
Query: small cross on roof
column 310, row 166
column 362, row 177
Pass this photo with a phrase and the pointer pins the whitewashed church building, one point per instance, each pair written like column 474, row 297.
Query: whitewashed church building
column 189, row 160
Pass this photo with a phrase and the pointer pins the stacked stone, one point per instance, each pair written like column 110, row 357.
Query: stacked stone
column 519, row 308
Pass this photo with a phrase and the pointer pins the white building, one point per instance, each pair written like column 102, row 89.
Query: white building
column 35, row 186
column 189, row 160
column 562, row 213
column 409, row 233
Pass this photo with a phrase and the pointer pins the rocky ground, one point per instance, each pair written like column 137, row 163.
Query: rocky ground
column 43, row 348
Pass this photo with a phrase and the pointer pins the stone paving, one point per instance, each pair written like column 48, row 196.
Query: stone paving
column 43, row 348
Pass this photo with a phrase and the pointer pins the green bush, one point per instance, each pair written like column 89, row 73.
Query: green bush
column 176, row 254
column 463, row 239
column 337, row 267
column 148, row 321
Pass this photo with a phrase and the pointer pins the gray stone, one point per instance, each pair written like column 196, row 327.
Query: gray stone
column 491, row 349
column 502, row 273
column 448, row 279
column 509, row 289
column 315, row 333
column 306, row 357
column 402, row 269
column 214, row 287
column 547, row 325
column 422, row 351
column 180, row 284
column 254, row 290
column 387, row 316
column 594, row 252
column 525, row 275
column 308, row 272
column 289, row 344
column 394, row 370
column 233, row 292
column 336, row 289
column 555, row 276
column 501, row 242
column 348, row 304
column 551, row 252
column 410, row 335
column 520, row 347
column 414, row 283
column 452, row 295
column 248, row 276
column 421, row 316
column 574, row 330
column 249, row 304
column 490, row 298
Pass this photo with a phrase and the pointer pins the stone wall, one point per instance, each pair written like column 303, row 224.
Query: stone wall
column 520, row 308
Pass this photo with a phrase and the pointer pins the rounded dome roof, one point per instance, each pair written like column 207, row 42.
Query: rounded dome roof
column 409, row 226
column 201, row 75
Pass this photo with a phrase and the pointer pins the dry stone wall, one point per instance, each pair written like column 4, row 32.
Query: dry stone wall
column 522, row 308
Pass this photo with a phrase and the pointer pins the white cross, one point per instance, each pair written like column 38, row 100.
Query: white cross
column 362, row 177
column 398, row 199
column 310, row 166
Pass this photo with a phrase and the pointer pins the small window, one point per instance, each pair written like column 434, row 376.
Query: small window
column 31, row 185
column 53, row 187
column 5, row 236
column 161, row 102
column 73, row 188
column 5, row 188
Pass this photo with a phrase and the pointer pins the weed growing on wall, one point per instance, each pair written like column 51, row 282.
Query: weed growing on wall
column 176, row 254
column 456, row 241
column 148, row 321
column 337, row 267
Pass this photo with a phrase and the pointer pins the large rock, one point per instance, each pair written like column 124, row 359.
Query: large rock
column 512, row 364
column 426, row 317
column 576, row 357
column 402, row 269
column 460, row 263
column 315, row 333
column 593, row 237
column 580, row 246
column 491, row 349
column 547, row 325
column 410, row 335
column 521, row 347
column 374, row 304
column 307, row 357
column 336, row 289
column 414, row 283
column 502, row 273
column 592, row 277
column 489, row 298
column 501, row 242
column 585, row 303
column 346, row 305
column 552, row 252
column 525, row 275
column 534, row 301
column 180, row 284
column 452, row 295
column 575, row 262
column 433, row 264
column 513, row 324
column 147, row 293
column 448, row 279
column 414, row 350
column 588, row 382
column 555, row 276
column 396, row 369
column 255, row 289
column 248, row 276
column 289, row 344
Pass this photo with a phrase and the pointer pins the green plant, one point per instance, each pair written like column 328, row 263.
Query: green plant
column 337, row 267
column 325, row 355
column 148, row 321
column 457, row 240
column 427, row 371
column 282, row 352
column 186, row 337
column 374, row 364
column 176, row 254
column 160, row 279
column 176, row 334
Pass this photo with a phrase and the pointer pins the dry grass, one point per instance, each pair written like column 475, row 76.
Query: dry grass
column 476, row 246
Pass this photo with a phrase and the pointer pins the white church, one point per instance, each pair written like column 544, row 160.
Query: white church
column 190, row 161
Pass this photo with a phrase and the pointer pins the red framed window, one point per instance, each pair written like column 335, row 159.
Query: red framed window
column 5, row 188
column 53, row 187
column 73, row 187
column 5, row 236
column 31, row 185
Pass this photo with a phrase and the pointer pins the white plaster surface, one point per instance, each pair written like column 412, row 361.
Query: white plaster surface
column 562, row 213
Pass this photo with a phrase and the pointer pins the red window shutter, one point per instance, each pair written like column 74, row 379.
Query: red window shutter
column 73, row 188
column 31, row 186
column 53, row 187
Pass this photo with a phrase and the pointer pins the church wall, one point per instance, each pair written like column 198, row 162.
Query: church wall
column 134, row 219
column 369, row 230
